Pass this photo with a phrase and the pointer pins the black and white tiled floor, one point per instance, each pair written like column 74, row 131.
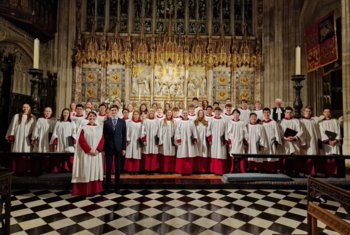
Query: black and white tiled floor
column 205, row 212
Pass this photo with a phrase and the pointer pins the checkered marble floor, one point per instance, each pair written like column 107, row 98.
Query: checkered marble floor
column 232, row 211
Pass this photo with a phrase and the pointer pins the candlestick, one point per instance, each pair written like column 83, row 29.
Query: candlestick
column 36, row 53
column 297, row 60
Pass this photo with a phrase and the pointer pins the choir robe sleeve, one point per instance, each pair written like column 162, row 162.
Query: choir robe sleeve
column 128, row 134
column 36, row 130
column 32, row 125
column 178, row 133
column 74, row 130
column 12, row 127
column 160, row 131
column 301, row 133
column 263, row 141
column 54, row 133
column 194, row 131
column 82, row 142
column 101, row 144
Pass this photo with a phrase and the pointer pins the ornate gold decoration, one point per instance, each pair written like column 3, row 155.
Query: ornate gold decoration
column 91, row 77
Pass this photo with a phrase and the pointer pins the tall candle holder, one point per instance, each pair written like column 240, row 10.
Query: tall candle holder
column 298, row 103
column 37, row 75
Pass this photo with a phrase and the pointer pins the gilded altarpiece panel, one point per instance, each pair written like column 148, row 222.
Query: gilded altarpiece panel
column 197, row 83
column 243, row 83
column 115, row 80
column 91, row 79
column 221, row 83
column 141, row 83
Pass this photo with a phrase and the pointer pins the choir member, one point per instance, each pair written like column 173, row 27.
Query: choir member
column 154, row 106
column 160, row 114
column 63, row 140
column 274, row 138
column 205, row 104
column 201, row 162
column 42, row 132
column 143, row 117
column 292, row 141
column 331, row 140
column 150, row 151
column 228, row 112
column 20, row 130
column 79, row 118
column 195, row 104
column 215, row 104
column 64, row 134
column 278, row 111
column 236, row 136
column 258, row 111
column 257, row 142
column 72, row 109
column 134, row 134
column 126, row 115
column 312, row 139
column 118, row 103
column 143, row 108
column 167, row 107
column 245, row 112
column 209, row 113
column 89, row 105
column 186, row 137
column 228, row 101
column 176, row 114
column 192, row 114
column 166, row 143
column 102, row 113
column 130, row 109
column 87, row 175
column 216, row 139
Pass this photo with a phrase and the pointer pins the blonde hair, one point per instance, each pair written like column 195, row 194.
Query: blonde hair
column 171, row 120
column 201, row 119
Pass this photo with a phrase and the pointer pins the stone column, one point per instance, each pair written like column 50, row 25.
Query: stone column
column 210, row 85
column 185, row 86
column 345, row 19
column 127, row 85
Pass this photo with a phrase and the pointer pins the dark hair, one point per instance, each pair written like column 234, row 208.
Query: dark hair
column 218, row 108
column 253, row 114
column 146, row 110
column 289, row 108
column 267, row 109
column 210, row 107
column 125, row 110
column 103, row 104
column 244, row 101
column 236, row 111
column 228, row 105
column 91, row 112
column 30, row 115
column 327, row 107
column 216, row 103
column 308, row 107
column 114, row 107
column 195, row 98
column 62, row 118
column 79, row 105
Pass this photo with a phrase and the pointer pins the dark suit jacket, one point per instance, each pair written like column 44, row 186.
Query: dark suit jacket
column 115, row 138
column 275, row 115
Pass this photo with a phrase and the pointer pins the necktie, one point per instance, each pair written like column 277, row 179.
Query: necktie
column 114, row 122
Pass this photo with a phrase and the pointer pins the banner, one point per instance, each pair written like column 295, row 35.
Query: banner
column 321, row 43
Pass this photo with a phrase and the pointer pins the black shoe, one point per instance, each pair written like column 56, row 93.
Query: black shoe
column 117, row 190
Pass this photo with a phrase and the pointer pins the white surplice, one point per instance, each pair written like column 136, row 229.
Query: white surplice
column 21, row 132
column 151, row 131
column 165, row 133
column 244, row 116
column 216, row 129
column 202, row 146
column 333, row 126
column 61, row 132
column 134, row 132
column 312, row 136
column 236, row 133
column 87, row 168
column 185, row 131
column 274, row 135
column 41, row 132
column 257, row 141
column 293, row 147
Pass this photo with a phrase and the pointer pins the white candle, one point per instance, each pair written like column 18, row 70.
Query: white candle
column 36, row 54
column 297, row 60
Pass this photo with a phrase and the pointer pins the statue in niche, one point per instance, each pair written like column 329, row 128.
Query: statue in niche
column 168, row 80
column 140, row 81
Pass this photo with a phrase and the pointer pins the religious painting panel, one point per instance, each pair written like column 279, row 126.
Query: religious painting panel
column 115, row 80
column 141, row 79
column 221, row 83
column 90, row 83
column 244, row 84
column 197, row 83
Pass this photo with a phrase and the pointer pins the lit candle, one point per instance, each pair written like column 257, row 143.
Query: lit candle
column 36, row 54
column 297, row 60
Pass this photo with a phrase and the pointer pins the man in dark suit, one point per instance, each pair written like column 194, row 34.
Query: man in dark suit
column 114, row 132
column 277, row 113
